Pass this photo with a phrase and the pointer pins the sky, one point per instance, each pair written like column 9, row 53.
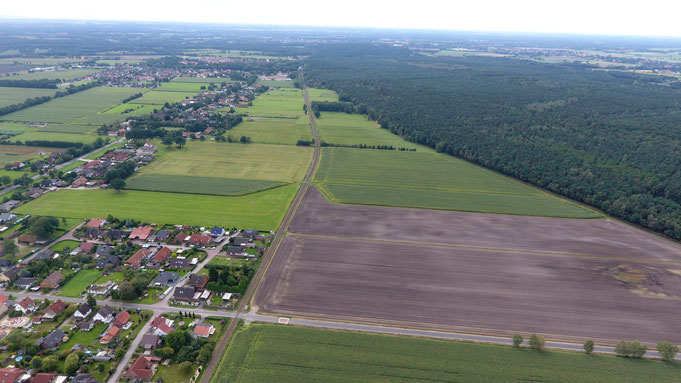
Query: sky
column 607, row 17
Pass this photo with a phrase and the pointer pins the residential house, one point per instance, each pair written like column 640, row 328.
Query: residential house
column 96, row 223
column 5, row 263
column 9, row 205
column 179, row 263
column 165, row 278
column 150, row 341
column 83, row 311
column 242, row 241
column 162, row 255
column 11, row 374
column 43, row 254
column 143, row 368
column 27, row 239
column 26, row 306
column 199, row 240
column 87, row 247
column 180, row 238
column 250, row 233
column 142, row 233
column 203, row 330
column 93, row 232
column 52, row 281
column 86, row 325
column 161, row 326
column 136, row 260
column 7, row 217
column 162, row 236
column 108, row 260
column 198, row 281
column 236, row 251
column 184, row 294
column 114, row 234
column 104, row 250
column 148, row 148
column 10, row 274
column 101, row 289
column 52, row 340
column 104, row 315
column 110, row 334
column 3, row 299
column 43, row 377
column 122, row 319
column 217, row 232
column 53, row 310
column 25, row 282
column 79, row 182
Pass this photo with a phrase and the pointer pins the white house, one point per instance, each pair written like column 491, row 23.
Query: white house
column 104, row 315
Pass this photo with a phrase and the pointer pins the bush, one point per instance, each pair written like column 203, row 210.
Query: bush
column 667, row 351
column 517, row 340
column 537, row 342
column 589, row 346
column 630, row 349
column 185, row 367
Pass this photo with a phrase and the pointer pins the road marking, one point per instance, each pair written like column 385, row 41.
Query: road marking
column 283, row 320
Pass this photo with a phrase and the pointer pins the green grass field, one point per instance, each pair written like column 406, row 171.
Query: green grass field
column 193, row 86
column 78, row 105
column 19, row 153
column 233, row 161
column 284, row 131
column 263, row 210
column 426, row 179
column 322, row 94
column 198, row 185
column 353, row 129
column 67, row 128
column 275, row 83
column 56, row 136
column 59, row 247
column 65, row 74
column 79, row 282
column 83, row 337
column 205, row 80
column 267, row 353
column 10, row 96
column 137, row 109
column 284, row 102
column 160, row 97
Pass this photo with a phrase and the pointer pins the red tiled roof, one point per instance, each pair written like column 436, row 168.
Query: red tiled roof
column 3, row 299
column 10, row 374
column 87, row 246
column 142, row 368
column 43, row 377
column 136, row 259
column 202, row 330
column 95, row 222
column 122, row 318
column 163, row 254
column 198, row 239
column 142, row 232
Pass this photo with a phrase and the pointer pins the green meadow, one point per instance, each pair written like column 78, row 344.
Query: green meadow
column 263, row 210
column 269, row 353
column 198, row 185
column 283, row 102
column 160, row 97
column 79, row 105
column 426, row 179
column 137, row 109
column 283, row 131
column 64, row 74
column 11, row 96
column 353, row 129
column 317, row 94
column 79, row 282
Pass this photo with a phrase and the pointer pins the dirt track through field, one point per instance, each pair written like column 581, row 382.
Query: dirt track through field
column 481, row 273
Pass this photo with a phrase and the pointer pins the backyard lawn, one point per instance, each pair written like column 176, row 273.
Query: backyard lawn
column 79, row 282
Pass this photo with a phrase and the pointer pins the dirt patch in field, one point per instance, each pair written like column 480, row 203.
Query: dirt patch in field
column 648, row 281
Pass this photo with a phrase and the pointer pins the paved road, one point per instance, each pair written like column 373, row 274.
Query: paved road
column 271, row 252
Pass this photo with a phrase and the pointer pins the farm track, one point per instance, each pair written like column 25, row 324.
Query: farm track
column 210, row 369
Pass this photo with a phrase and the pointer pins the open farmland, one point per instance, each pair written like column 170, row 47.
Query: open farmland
column 263, row 353
column 10, row 96
column 484, row 273
column 137, row 109
column 317, row 94
column 79, row 105
column 284, row 131
column 19, row 153
column 426, row 179
column 65, row 74
column 55, row 136
column 263, row 210
column 67, row 128
column 284, row 102
column 234, row 161
column 354, row 129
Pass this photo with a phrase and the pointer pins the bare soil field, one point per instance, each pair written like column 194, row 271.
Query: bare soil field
column 480, row 273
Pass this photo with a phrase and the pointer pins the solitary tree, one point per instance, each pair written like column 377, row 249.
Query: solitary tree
column 118, row 184
column 536, row 342
column 91, row 301
column 180, row 141
column 517, row 340
column 9, row 247
column 185, row 367
column 589, row 346
column 667, row 351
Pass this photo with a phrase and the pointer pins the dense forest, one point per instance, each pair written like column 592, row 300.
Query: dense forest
column 609, row 139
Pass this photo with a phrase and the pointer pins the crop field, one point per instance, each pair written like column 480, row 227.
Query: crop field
column 283, row 131
column 198, row 185
column 204, row 80
column 10, row 96
column 265, row 353
column 79, row 105
column 436, row 181
column 179, row 86
column 263, row 210
column 471, row 272
column 65, row 74
column 317, row 94
column 284, row 102
column 160, row 97
column 68, row 128
column 55, row 136
column 19, row 153
column 137, row 109
column 234, row 161
column 353, row 129
column 275, row 83
column 79, row 282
